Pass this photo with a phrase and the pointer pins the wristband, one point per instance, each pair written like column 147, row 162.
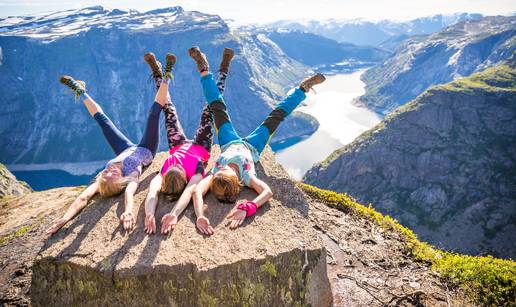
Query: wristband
column 249, row 207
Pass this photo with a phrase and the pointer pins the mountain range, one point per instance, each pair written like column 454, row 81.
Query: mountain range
column 373, row 33
column 443, row 164
column 422, row 61
column 42, row 123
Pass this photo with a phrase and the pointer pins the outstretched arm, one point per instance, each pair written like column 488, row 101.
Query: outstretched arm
column 169, row 220
column 151, row 202
column 264, row 194
column 263, row 190
column 203, row 224
column 127, row 218
column 76, row 207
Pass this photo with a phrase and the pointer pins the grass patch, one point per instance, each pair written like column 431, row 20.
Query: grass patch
column 486, row 280
column 7, row 238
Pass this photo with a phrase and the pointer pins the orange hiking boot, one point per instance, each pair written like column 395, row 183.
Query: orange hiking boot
column 227, row 56
column 199, row 58
column 309, row 82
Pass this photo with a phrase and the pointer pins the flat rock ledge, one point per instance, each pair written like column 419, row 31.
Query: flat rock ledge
column 273, row 259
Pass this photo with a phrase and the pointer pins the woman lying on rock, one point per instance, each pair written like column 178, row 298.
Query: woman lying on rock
column 235, row 166
column 184, row 167
column 124, row 170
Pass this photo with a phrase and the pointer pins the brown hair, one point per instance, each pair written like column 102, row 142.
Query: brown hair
column 225, row 187
column 174, row 181
column 108, row 188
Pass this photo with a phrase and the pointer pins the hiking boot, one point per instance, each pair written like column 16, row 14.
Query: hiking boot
column 154, row 65
column 79, row 87
column 171, row 60
column 309, row 82
column 199, row 58
column 227, row 55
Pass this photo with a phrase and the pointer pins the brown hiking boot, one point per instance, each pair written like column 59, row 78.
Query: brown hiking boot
column 78, row 86
column 154, row 65
column 171, row 60
column 227, row 55
column 199, row 58
column 309, row 82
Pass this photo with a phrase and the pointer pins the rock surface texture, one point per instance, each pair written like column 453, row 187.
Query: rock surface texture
column 422, row 61
column 105, row 48
column 275, row 259
column 443, row 165
column 10, row 186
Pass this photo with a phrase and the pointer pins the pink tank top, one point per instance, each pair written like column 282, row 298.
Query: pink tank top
column 187, row 155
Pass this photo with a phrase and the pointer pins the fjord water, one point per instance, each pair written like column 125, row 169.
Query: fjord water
column 340, row 123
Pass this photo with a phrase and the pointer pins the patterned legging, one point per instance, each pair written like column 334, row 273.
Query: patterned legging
column 204, row 133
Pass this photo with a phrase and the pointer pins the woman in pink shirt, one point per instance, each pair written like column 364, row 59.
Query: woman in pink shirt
column 184, row 167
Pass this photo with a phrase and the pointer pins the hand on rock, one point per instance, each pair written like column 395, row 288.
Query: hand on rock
column 56, row 225
column 168, row 223
column 150, row 224
column 237, row 217
column 203, row 224
column 127, row 220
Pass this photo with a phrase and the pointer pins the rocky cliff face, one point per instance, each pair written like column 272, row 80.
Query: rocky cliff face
column 10, row 186
column 289, row 254
column 422, row 61
column 104, row 47
column 443, row 164
column 316, row 50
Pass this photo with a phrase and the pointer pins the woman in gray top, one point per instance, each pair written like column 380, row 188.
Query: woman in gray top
column 124, row 170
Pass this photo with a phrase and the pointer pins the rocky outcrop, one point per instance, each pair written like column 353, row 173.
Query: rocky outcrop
column 443, row 164
column 275, row 259
column 422, row 61
column 105, row 48
column 10, row 186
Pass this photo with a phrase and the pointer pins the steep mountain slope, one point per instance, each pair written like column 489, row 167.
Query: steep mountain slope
column 40, row 121
column 371, row 33
column 422, row 61
column 315, row 50
column 444, row 164
column 10, row 186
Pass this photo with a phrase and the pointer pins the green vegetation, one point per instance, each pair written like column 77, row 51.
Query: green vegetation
column 22, row 230
column 501, row 77
column 486, row 280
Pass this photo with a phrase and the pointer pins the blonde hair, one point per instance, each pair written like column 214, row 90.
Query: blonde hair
column 109, row 187
column 225, row 187
column 174, row 181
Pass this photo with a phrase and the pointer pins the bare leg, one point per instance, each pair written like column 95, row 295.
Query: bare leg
column 91, row 105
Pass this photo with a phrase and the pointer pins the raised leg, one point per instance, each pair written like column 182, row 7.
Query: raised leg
column 150, row 138
column 204, row 134
column 262, row 135
column 223, row 125
column 115, row 138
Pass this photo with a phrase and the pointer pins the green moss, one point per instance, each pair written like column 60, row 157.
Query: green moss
column 486, row 280
column 501, row 77
column 269, row 268
column 8, row 237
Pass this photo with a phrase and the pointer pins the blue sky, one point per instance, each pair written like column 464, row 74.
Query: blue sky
column 252, row 11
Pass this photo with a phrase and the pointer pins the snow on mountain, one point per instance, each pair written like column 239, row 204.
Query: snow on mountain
column 51, row 26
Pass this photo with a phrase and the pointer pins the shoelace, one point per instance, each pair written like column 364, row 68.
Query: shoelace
column 75, row 86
